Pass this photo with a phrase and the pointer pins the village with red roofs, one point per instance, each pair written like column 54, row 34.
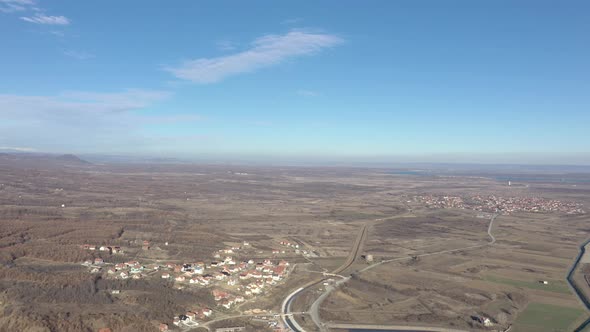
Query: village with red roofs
column 232, row 281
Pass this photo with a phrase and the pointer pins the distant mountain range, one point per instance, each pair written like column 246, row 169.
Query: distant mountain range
column 417, row 168
column 41, row 159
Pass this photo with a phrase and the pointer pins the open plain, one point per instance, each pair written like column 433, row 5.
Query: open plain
column 130, row 247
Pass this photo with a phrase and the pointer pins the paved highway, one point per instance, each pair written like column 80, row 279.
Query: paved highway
column 314, row 310
column 206, row 324
column 350, row 259
column 391, row 328
column 355, row 251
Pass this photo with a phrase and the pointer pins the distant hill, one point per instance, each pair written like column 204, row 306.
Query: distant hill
column 72, row 159
column 131, row 159
column 40, row 159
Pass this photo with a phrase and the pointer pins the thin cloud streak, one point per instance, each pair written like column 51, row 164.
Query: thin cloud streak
column 11, row 6
column 170, row 119
column 34, row 14
column 17, row 148
column 81, row 120
column 46, row 19
column 75, row 106
column 265, row 51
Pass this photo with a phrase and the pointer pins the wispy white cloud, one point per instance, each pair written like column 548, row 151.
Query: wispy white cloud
column 307, row 93
column 46, row 19
column 127, row 100
column 175, row 118
column 78, row 55
column 75, row 106
column 33, row 13
column 10, row 6
column 79, row 119
column 17, row 148
column 264, row 52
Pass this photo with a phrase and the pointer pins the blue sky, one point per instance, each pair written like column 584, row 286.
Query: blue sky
column 468, row 81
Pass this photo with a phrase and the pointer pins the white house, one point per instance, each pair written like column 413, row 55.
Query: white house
column 207, row 312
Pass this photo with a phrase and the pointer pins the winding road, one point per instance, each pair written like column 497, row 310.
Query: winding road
column 314, row 311
column 491, row 242
column 288, row 316
column 207, row 324
column 350, row 259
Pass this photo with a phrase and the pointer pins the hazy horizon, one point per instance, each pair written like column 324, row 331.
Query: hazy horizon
column 269, row 166
column 344, row 161
column 475, row 82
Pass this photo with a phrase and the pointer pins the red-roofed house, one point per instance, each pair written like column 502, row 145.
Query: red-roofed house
column 219, row 294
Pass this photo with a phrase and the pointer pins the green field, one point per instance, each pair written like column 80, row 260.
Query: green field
column 539, row 317
column 554, row 286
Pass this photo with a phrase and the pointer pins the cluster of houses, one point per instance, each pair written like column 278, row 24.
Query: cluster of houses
column 224, row 269
column 234, row 279
column 289, row 244
column 226, row 299
column 95, row 265
column 253, row 276
column 106, row 249
column 191, row 317
column 499, row 204
column 131, row 269
column 286, row 244
column 509, row 205
column 297, row 251
column 231, row 250
column 442, row 202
